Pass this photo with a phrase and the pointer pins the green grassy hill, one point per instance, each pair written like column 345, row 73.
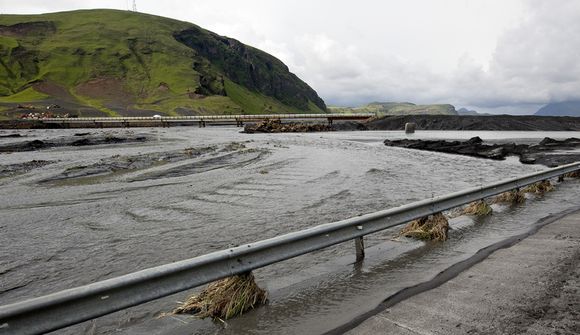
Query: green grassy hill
column 398, row 108
column 109, row 62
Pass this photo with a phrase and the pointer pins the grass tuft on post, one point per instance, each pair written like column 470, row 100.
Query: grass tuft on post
column 432, row 227
column 513, row 197
column 477, row 208
column 225, row 298
column 540, row 188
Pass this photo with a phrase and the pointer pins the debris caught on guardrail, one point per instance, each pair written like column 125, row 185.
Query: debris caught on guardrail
column 432, row 227
column 225, row 298
column 513, row 197
column 540, row 188
column 477, row 208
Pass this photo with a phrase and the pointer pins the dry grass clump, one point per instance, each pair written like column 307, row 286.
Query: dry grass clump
column 477, row 208
column 540, row 187
column 432, row 227
column 225, row 298
column 513, row 196
column 573, row 174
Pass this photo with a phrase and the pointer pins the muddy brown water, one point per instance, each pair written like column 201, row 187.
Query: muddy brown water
column 112, row 217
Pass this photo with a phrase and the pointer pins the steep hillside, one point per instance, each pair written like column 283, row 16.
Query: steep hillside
column 398, row 108
column 108, row 62
column 567, row 108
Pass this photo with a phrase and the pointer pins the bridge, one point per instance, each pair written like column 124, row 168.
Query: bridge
column 201, row 120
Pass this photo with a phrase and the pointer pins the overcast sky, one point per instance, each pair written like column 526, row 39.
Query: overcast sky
column 489, row 55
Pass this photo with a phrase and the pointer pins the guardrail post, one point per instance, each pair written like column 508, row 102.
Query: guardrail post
column 359, row 245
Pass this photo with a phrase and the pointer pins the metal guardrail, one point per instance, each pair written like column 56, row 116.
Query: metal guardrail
column 211, row 117
column 80, row 304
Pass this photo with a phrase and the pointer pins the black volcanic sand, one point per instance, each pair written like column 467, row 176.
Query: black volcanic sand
column 546, row 152
column 118, row 163
column 20, row 168
column 472, row 122
column 196, row 160
column 81, row 139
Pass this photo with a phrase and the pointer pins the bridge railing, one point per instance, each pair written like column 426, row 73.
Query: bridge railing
column 65, row 308
column 209, row 117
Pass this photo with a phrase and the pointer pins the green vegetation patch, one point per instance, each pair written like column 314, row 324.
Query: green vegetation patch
column 7, row 43
column 27, row 95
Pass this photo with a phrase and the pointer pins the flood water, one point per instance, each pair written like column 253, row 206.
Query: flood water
column 102, row 211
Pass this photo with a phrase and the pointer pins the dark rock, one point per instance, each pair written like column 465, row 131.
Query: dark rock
column 527, row 159
column 548, row 141
column 70, row 141
column 113, row 139
column 497, row 153
column 84, row 141
column 20, row 168
column 475, row 140
column 348, row 125
column 36, row 144
column 529, row 154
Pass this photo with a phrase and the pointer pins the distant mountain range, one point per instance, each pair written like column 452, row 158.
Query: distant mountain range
column 566, row 108
column 398, row 108
column 465, row 111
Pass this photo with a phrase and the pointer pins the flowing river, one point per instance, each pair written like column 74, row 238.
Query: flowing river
column 95, row 212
